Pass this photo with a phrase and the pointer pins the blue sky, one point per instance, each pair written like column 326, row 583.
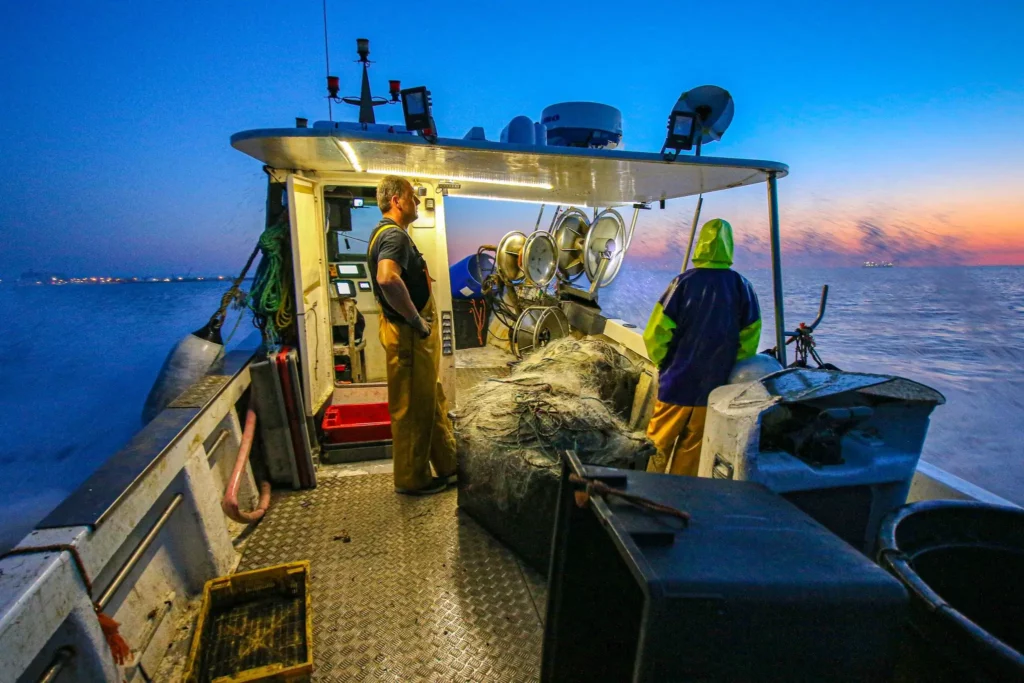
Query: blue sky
column 115, row 118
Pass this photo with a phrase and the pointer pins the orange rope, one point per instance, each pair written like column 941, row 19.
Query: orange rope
column 119, row 648
column 479, row 317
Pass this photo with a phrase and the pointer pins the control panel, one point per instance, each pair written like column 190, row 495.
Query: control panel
column 447, row 334
column 348, row 279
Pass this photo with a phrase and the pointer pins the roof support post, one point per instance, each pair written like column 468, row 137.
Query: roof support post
column 773, row 222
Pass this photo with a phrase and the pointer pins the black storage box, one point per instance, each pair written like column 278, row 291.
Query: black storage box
column 752, row 590
column 467, row 335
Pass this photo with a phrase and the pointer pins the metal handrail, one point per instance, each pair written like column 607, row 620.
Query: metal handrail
column 61, row 659
column 821, row 313
column 224, row 434
column 137, row 554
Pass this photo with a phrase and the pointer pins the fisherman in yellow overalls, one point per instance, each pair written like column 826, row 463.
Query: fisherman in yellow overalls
column 706, row 320
column 421, row 430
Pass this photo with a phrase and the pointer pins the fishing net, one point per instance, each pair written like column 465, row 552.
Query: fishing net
column 572, row 394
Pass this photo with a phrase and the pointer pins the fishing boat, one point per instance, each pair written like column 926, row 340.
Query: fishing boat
column 400, row 589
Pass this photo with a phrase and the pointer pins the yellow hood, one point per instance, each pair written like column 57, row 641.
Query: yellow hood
column 714, row 246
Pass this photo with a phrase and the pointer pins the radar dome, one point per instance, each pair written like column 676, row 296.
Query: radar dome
column 583, row 124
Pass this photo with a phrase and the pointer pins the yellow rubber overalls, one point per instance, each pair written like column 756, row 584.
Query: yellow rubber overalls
column 421, row 431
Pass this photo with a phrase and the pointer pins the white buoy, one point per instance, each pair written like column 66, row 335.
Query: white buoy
column 754, row 368
column 188, row 361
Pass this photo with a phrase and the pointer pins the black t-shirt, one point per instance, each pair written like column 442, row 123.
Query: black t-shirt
column 392, row 242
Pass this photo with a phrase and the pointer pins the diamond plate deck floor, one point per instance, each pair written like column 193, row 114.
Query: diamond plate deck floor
column 419, row 592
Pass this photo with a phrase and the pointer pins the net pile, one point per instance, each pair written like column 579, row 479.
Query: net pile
column 570, row 394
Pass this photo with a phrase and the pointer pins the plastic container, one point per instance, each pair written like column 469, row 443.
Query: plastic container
column 752, row 589
column 466, row 276
column 357, row 423
column 254, row 626
column 963, row 563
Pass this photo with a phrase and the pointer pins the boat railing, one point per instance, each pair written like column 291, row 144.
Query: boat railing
column 137, row 541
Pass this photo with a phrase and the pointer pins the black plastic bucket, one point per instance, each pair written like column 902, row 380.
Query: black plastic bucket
column 963, row 563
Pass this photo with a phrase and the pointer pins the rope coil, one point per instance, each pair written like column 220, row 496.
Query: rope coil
column 271, row 301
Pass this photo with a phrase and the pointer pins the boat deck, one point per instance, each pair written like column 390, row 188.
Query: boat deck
column 404, row 588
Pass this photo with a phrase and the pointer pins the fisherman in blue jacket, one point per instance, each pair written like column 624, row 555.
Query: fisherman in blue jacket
column 706, row 320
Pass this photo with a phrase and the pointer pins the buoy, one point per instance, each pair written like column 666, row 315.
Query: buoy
column 188, row 361
column 193, row 356
column 754, row 368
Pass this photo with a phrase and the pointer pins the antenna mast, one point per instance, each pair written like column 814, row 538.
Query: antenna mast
column 327, row 58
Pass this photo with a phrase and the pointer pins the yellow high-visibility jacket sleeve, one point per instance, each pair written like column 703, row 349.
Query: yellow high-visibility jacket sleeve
column 658, row 334
column 750, row 336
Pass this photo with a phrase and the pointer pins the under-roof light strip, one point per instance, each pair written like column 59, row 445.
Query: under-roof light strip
column 350, row 154
column 464, row 178
column 458, row 194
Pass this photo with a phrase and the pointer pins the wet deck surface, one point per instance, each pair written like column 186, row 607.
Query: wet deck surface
column 419, row 592
column 466, row 378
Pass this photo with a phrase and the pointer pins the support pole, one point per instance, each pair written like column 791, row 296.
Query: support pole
column 632, row 226
column 773, row 222
column 693, row 232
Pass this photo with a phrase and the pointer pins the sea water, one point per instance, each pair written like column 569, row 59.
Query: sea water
column 77, row 361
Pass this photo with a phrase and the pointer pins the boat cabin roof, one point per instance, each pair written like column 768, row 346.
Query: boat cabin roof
column 493, row 170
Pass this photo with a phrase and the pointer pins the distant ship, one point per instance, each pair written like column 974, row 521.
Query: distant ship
column 879, row 264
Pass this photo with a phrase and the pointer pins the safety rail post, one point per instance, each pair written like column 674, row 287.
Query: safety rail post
column 773, row 221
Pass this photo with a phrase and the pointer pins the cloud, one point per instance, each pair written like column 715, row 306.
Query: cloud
column 829, row 233
column 910, row 243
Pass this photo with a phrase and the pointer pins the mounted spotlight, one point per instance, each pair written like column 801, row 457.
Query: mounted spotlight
column 680, row 132
column 416, row 105
column 699, row 116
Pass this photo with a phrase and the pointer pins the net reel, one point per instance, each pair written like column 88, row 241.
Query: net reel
column 539, row 259
column 604, row 248
column 536, row 327
column 570, row 233
column 507, row 257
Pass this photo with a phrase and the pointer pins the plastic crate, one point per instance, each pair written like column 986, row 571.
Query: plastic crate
column 254, row 626
column 357, row 423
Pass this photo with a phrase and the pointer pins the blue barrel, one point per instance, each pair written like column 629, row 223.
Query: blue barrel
column 466, row 276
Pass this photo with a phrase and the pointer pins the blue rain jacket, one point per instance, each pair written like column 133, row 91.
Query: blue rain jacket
column 706, row 320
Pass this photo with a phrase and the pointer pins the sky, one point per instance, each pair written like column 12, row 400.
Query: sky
column 902, row 122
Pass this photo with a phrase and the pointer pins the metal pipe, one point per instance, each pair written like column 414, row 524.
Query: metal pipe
column 773, row 223
column 821, row 307
column 554, row 217
column 63, row 658
column 632, row 227
column 139, row 552
column 539, row 216
column 224, row 434
column 693, row 232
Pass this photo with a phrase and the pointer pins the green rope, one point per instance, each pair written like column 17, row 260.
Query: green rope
column 271, row 298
